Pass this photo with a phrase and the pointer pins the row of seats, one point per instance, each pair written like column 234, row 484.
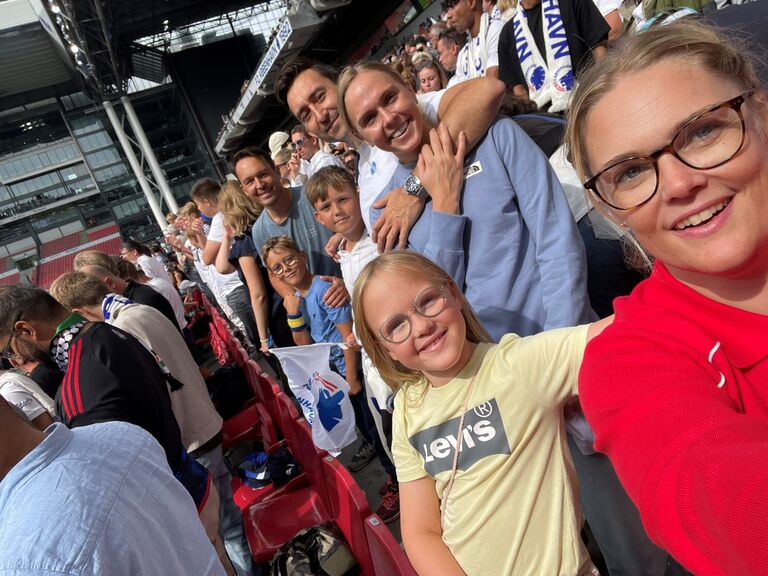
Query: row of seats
column 325, row 491
column 11, row 280
column 102, row 231
column 47, row 272
column 61, row 244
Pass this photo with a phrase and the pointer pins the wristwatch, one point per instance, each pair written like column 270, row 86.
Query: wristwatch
column 413, row 187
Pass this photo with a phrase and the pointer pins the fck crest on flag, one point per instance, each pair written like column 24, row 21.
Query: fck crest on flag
column 322, row 394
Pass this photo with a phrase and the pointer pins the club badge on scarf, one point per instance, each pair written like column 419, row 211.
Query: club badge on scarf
column 322, row 394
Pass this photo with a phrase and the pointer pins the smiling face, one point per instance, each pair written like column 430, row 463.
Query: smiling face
column 259, row 180
column 702, row 224
column 384, row 113
column 312, row 100
column 429, row 80
column 340, row 212
column 287, row 265
column 437, row 346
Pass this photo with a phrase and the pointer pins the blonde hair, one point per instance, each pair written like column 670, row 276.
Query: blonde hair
column 353, row 71
column 240, row 212
column 316, row 188
column 189, row 209
column 279, row 243
column 78, row 289
column 412, row 265
column 95, row 258
column 688, row 42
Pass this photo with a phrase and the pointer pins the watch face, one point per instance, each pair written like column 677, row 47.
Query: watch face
column 413, row 185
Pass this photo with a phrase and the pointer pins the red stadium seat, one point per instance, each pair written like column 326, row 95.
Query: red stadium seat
column 273, row 521
column 349, row 507
column 286, row 413
column 387, row 556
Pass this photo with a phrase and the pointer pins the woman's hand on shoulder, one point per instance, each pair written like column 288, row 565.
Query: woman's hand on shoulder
column 441, row 169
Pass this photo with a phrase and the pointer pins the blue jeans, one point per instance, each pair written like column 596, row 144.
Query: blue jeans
column 230, row 517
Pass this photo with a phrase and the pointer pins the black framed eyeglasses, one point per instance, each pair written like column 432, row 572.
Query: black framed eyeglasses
column 428, row 303
column 707, row 141
column 8, row 352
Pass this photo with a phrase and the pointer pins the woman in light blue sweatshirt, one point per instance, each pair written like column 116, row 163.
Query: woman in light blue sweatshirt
column 496, row 220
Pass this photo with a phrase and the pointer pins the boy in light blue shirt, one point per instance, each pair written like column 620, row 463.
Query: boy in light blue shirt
column 309, row 317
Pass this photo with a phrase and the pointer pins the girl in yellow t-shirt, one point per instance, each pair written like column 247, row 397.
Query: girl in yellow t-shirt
column 487, row 485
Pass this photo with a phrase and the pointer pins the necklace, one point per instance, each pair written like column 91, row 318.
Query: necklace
column 460, row 436
column 65, row 333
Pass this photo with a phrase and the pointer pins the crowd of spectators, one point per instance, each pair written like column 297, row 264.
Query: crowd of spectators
column 515, row 373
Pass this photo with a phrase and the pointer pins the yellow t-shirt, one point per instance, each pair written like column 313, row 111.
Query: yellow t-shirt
column 513, row 508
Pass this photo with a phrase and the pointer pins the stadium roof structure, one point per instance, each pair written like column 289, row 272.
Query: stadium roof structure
column 109, row 48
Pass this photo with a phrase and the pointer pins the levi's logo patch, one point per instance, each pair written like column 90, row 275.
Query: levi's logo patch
column 473, row 169
column 483, row 435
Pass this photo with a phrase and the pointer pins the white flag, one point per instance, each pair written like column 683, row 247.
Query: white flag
column 322, row 394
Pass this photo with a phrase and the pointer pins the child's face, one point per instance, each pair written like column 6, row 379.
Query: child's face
column 436, row 343
column 340, row 212
column 287, row 265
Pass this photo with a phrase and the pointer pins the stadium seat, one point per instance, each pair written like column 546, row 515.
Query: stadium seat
column 387, row 556
column 273, row 521
column 349, row 508
column 286, row 413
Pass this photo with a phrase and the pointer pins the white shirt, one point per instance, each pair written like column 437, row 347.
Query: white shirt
column 376, row 167
column 26, row 395
column 353, row 261
column 468, row 66
column 607, row 6
column 216, row 231
column 169, row 293
column 152, row 268
column 321, row 159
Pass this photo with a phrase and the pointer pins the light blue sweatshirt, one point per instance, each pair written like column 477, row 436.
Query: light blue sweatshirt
column 514, row 249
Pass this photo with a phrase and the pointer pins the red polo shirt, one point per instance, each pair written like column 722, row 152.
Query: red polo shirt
column 676, row 391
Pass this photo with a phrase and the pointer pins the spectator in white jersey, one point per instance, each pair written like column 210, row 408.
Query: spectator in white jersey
column 310, row 150
column 140, row 255
column 480, row 55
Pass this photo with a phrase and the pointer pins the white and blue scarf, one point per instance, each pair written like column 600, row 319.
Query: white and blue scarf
column 550, row 80
column 476, row 61
column 112, row 304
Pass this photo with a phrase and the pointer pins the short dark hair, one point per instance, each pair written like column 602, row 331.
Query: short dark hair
column 453, row 36
column 127, row 270
column 299, row 129
column 205, row 189
column 31, row 303
column 291, row 70
column 132, row 245
column 252, row 152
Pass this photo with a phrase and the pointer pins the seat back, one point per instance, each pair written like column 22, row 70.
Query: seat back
column 298, row 436
column 349, row 508
column 242, row 426
column 252, row 372
column 267, row 428
column 387, row 556
column 269, row 392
